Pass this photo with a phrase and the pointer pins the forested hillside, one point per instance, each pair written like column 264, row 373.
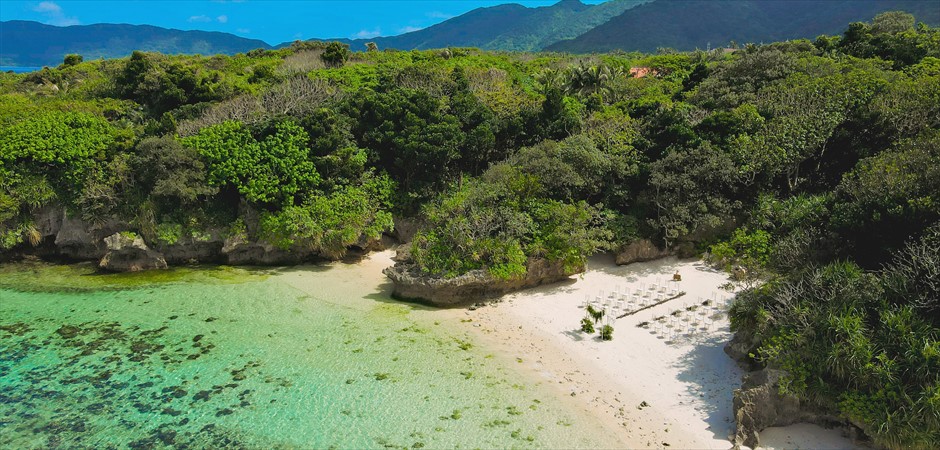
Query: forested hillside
column 814, row 165
column 698, row 24
column 509, row 27
column 501, row 27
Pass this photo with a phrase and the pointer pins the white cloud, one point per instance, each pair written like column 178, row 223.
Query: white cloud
column 54, row 14
column 222, row 19
column 200, row 19
column 48, row 7
column 366, row 34
column 409, row 29
column 243, row 30
column 439, row 15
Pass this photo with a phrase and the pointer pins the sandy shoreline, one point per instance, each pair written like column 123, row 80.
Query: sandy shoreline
column 687, row 381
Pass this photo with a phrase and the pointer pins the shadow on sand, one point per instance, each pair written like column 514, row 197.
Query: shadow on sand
column 712, row 378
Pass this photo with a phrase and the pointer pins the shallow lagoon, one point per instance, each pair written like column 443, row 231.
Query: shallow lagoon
column 296, row 358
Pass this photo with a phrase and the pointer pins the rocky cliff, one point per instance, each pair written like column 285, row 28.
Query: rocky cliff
column 118, row 247
column 127, row 252
column 639, row 250
column 761, row 402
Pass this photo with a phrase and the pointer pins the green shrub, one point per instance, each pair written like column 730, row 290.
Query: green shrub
column 587, row 325
column 607, row 333
column 169, row 233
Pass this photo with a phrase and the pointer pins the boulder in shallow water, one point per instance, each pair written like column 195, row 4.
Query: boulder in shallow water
column 127, row 252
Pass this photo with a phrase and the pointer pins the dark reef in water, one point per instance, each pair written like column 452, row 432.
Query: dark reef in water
column 89, row 368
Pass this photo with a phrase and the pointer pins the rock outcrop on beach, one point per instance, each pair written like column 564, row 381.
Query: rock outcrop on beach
column 127, row 252
column 406, row 228
column 740, row 346
column 412, row 284
column 759, row 404
column 640, row 250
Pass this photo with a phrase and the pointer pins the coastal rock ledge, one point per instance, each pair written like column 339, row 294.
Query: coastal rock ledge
column 760, row 404
column 412, row 284
column 127, row 252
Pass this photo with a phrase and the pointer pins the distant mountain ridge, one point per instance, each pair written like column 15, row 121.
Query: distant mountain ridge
column 569, row 26
column 26, row 43
column 691, row 24
column 508, row 27
column 501, row 27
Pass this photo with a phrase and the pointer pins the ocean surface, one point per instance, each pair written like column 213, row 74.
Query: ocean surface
column 309, row 357
column 16, row 69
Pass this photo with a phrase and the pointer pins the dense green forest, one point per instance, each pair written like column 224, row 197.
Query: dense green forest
column 814, row 165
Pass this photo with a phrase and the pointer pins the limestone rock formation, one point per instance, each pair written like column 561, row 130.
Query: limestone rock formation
column 127, row 252
column 188, row 249
column 76, row 240
column 740, row 346
column 239, row 251
column 62, row 235
column 405, row 228
column 473, row 286
column 638, row 251
column 759, row 404
column 48, row 220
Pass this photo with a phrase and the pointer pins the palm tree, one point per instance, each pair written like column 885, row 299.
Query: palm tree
column 586, row 80
column 551, row 78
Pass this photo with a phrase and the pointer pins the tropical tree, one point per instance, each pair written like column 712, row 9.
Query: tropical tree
column 335, row 54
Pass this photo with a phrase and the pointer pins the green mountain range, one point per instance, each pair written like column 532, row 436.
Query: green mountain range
column 509, row 27
column 691, row 24
column 567, row 26
column 26, row 43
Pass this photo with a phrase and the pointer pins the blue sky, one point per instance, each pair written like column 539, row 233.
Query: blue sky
column 269, row 20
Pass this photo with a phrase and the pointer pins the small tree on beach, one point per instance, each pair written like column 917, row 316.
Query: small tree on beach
column 596, row 314
column 607, row 333
column 587, row 325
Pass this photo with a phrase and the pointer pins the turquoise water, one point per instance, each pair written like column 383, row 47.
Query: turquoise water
column 219, row 357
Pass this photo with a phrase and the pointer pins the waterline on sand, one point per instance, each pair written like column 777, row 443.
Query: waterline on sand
column 314, row 356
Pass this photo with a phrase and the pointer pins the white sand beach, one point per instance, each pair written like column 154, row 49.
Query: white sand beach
column 686, row 380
